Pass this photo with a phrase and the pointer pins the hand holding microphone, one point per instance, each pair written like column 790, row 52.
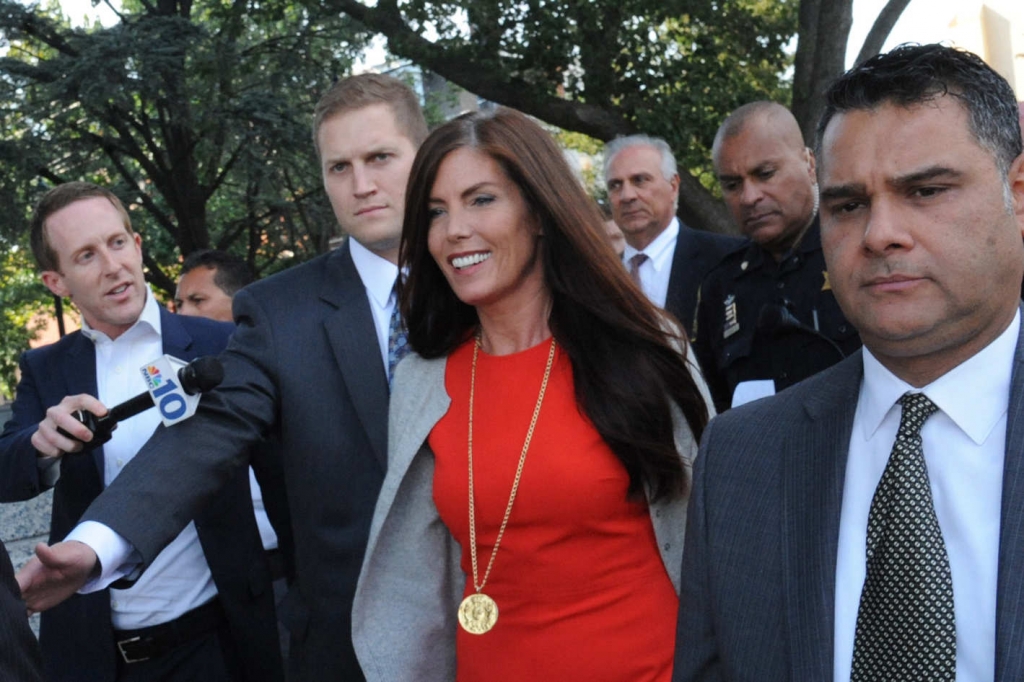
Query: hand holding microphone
column 174, row 388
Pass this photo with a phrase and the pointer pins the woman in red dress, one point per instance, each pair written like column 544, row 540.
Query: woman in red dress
column 531, row 523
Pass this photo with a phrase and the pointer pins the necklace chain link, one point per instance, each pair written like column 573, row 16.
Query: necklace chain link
column 519, row 470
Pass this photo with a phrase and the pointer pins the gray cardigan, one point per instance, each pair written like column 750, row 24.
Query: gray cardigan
column 411, row 583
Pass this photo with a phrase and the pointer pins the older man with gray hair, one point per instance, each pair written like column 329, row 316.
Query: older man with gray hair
column 666, row 258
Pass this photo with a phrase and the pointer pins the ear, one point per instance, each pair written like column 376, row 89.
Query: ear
column 811, row 164
column 138, row 241
column 1015, row 181
column 674, row 181
column 54, row 281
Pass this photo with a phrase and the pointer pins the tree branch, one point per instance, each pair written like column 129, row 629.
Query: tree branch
column 881, row 29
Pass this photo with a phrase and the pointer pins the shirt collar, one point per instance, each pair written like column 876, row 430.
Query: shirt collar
column 657, row 247
column 757, row 257
column 975, row 394
column 149, row 321
column 378, row 274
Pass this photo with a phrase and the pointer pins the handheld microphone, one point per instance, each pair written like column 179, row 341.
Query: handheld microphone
column 176, row 401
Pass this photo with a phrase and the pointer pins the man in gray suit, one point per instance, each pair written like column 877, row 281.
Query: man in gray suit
column 868, row 523
column 308, row 364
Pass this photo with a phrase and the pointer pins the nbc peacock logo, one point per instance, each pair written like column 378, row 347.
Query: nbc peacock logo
column 152, row 376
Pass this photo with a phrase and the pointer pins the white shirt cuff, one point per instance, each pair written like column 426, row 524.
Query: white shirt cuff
column 118, row 559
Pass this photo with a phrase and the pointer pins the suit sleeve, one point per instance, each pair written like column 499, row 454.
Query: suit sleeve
column 182, row 467
column 20, row 475
column 21, row 660
column 696, row 658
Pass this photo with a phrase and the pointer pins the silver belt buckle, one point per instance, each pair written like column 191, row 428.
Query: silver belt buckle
column 124, row 654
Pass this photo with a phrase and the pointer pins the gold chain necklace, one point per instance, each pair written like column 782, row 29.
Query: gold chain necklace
column 478, row 613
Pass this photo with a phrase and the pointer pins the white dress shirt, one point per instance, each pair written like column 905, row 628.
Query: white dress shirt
column 117, row 557
column 179, row 579
column 964, row 445
column 656, row 270
column 378, row 275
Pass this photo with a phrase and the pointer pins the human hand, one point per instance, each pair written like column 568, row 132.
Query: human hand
column 49, row 442
column 55, row 573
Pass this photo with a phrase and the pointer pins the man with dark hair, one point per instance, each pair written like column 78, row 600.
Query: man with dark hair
column 868, row 523
column 310, row 364
column 203, row 610
column 666, row 258
column 209, row 281
column 767, row 316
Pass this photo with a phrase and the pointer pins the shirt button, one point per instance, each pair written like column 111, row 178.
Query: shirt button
column 781, row 285
column 117, row 370
column 842, row 328
column 120, row 463
column 667, row 546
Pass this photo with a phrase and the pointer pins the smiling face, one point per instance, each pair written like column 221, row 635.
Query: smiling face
column 483, row 236
column 99, row 264
column 767, row 180
column 924, row 255
column 365, row 160
column 643, row 200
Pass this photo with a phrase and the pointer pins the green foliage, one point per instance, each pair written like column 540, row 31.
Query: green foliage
column 672, row 68
column 22, row 297
column 195, row 113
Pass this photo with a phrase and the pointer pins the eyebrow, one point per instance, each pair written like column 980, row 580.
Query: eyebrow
column 464, row 193
column 899, row 182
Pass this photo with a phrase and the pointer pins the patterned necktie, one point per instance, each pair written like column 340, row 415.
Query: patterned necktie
column 905, row 625
column 398, row 343
column 634, row 267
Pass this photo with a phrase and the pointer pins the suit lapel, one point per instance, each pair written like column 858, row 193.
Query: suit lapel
column 80, row 374
column 683, row 276
column 176, row 340
column 1010, row 586
column 815, row 468
column 353, row 337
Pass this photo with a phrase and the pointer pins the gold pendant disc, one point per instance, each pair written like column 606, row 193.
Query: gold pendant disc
column 478, row 613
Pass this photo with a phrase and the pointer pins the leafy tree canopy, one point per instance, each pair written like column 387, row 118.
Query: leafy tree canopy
column 195, row 112
column 671, row 68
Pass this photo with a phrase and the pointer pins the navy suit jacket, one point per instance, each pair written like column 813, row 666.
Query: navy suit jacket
column 697, row 252
column 77, row 636
column 758, row 588
column 305, row 366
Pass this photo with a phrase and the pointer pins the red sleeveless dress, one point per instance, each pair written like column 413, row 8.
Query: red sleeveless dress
column 581, row 590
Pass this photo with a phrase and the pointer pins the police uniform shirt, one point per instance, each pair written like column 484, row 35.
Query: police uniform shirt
column 759, row 319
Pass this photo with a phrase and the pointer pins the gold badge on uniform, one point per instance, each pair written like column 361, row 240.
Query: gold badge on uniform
column 732, row 324
column 825, row 285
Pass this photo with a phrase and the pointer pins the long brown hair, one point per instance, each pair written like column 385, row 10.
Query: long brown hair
column 626, row 369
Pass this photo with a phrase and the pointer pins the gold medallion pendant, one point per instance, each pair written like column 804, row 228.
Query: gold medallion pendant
column 478, row 613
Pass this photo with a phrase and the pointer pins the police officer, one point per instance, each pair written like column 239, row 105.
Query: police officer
column 767, row 317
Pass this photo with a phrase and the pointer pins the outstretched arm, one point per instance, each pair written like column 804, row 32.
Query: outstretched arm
column 55, row 573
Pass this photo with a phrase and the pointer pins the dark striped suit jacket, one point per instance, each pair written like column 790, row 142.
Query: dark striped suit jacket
column 20, row 660
column 758, row 578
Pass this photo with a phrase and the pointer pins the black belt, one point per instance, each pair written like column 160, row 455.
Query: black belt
column 143, row 644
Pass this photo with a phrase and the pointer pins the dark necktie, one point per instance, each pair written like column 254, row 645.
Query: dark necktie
column 905, row 625
column 634, row 267
column 398, row 345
